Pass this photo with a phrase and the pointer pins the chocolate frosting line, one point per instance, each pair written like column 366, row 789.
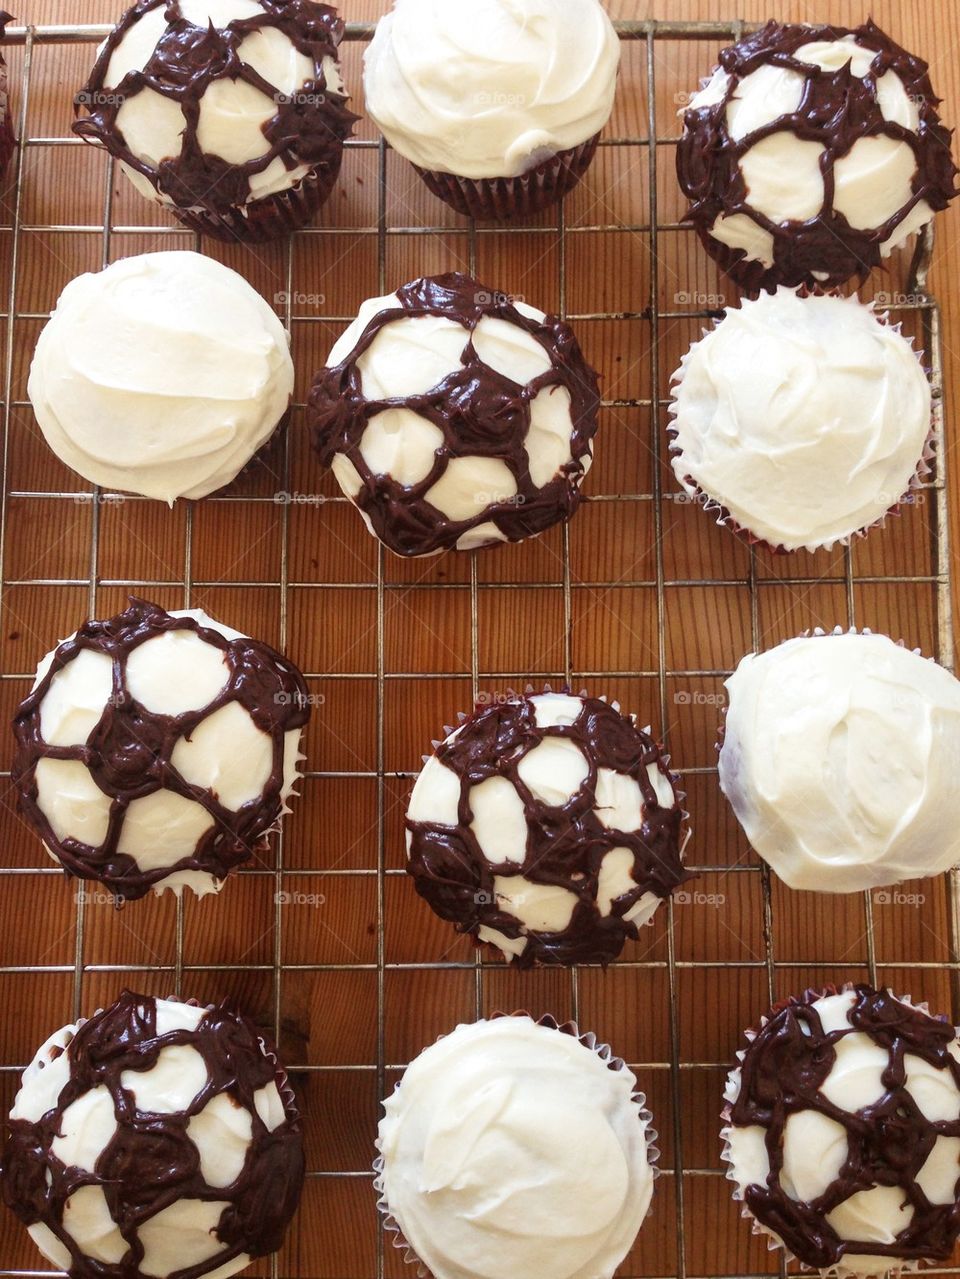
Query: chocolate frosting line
column 308, row 128
column 565, row 845
column 782, row 1072
column 150, row 1162
column 480, row 412
column 837, row 110
column 128, row 753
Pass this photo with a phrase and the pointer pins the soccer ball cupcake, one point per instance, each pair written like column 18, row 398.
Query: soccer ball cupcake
column 549, row 826
column 142, row 1143
column 162, row 375
column 229, row 113
column 802, row 420
column 456, row 418
column 841, row 1131
column 158, row 750
column 813, row 153
column 515, row 1147
column 840, row 756
column 499, row 104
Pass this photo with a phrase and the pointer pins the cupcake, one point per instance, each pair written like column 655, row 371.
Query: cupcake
column 158, row 750
column 8, row 142
column 515, row 1147
column 840, row 757
column 229, row 113
column 455, row 417
column 162, row 375
column 498, row 104
column 143, row 1140
column 813, row 153
column 841, row 1131
column 802, row 420
column 549, row 826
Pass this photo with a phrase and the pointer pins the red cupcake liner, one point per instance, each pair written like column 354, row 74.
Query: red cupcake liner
column 509, row 199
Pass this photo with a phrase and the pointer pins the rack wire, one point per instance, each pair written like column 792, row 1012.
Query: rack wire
column 665, row 967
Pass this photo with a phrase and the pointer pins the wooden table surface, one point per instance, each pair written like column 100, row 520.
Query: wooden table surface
column 367, row 976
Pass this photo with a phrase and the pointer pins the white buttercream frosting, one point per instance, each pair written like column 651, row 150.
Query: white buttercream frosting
column 170, row 674
column 815, row 1147
column 161, row 375
column 490, row 88
column 840, row 759
column 232, row 114
column 413, row 354
column 553, row 771
column 807, row 418
column 873, row 181
column 510, row 1148
column 182, row 1235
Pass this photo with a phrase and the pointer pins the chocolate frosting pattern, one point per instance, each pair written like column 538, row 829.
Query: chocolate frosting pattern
column 566, row 844
column 150, row 1162
column 309, row 126
column 888, row 1139
column 479, row 411
column 837, row 109
column 129, row 751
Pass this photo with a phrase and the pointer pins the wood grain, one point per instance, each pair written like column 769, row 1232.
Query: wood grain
column 675, row 1012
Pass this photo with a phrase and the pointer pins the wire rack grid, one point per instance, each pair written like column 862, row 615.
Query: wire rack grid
column 682, row 1070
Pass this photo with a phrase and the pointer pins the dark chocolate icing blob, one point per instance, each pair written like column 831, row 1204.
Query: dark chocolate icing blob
column 836, row 111
column 565, row 845
column 888, row 1138
column 150, row 1162
column 308, row 128
column 480, row 412
column 128, row 753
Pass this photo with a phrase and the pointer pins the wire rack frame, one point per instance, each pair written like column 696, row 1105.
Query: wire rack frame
column 648, row 33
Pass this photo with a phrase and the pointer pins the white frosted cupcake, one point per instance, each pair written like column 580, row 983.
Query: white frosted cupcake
column 158, row 750
column 162, row 375
column 498, row 103
column 802, row 420
column 840, row 1132
column 141, row 1140
column 840, row 757
column 515, row 1147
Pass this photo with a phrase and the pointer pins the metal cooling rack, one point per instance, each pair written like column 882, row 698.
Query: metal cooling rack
column 649, row 34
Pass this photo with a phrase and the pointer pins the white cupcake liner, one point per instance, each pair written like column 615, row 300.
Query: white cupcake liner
column 589, row 1040
column 731, row 1091
column 724, row 518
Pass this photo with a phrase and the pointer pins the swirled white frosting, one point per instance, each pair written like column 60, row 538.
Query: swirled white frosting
column 170, row 674
column 490, row 88
column 512, row 1149
column 161, row 375
column 840, row 759
column 806, row 417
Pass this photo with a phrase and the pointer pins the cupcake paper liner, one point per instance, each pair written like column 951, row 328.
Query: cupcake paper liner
column 589, row 1040
column 724, row 518
column 508, row 199
column 731, row 1088
column 268, row 219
